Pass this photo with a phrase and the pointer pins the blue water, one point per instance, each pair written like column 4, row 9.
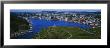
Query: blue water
column 37, row 25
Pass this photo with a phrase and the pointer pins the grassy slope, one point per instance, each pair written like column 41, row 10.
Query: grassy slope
column 66, row 32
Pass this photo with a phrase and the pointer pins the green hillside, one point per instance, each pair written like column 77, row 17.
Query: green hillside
column 67, row 33
column 18, row 25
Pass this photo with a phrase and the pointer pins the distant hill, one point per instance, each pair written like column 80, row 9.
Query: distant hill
column 58, row 10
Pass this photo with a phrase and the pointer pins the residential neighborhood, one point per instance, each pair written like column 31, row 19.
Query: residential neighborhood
column 89, row 18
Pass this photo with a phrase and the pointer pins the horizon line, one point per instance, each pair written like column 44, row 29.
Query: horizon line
column 39, row 10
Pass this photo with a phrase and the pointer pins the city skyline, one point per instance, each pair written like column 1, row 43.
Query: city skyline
column 59, row 10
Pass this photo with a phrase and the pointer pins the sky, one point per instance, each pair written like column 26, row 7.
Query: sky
column 38, row 10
